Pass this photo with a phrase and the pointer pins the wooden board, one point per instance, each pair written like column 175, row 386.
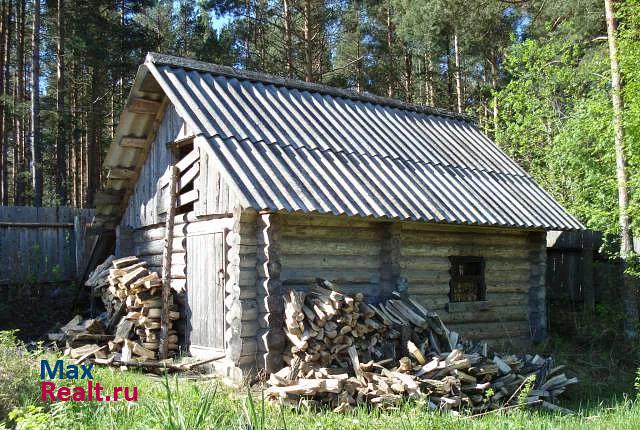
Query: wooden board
column 142, row 209
column 205, row 290
column 216, row 196
column 42, row 244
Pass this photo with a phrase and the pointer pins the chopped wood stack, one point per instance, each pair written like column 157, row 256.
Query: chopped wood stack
column 131, row 295
column 344, row 351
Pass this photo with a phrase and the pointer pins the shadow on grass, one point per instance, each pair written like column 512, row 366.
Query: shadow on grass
column 593, row 348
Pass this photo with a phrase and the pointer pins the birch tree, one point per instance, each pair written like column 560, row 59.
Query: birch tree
column 630, row 304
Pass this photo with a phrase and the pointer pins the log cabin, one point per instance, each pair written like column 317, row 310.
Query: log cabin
column 279, row 182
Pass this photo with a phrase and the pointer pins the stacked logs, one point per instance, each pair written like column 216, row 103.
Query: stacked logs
column 344, row 351
column 135, row 292
column 130, row 327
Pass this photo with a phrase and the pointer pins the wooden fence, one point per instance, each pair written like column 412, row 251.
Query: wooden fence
column 42, row 245
column 577, row 272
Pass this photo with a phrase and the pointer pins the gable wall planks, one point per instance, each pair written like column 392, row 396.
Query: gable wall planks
column 142, row 208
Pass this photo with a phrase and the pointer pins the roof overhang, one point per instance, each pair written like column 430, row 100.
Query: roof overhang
column 125, row 156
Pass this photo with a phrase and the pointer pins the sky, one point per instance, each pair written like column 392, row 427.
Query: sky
column 220, row 21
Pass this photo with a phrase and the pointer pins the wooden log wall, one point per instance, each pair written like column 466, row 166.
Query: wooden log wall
column 148, row 242
column 124, row 241
column 378, row 257
column 269, row 294
column 145, row 245
column 347, row 251
column 240, row 301
column 538, row 318
column 425, row 264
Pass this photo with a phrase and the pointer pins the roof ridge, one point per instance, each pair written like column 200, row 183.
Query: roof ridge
column 187, row 63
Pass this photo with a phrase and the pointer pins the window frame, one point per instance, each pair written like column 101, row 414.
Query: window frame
column 456, row 278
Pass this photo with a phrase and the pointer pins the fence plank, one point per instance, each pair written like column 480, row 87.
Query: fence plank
column 40, row 245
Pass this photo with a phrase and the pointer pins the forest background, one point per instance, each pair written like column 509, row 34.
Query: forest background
column 534, row 75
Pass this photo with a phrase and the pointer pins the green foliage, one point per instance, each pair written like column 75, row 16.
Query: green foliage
column 29, row 418
column 256, row 416
column 527, row 386
column 171, row 415
column 488, row 394
column 629, row 56
column 556, row 116
column 167, row 403
column 18, row 373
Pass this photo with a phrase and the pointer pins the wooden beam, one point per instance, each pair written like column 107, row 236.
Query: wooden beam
column 166, row 263
column 37, row 225
column 188, row 197
column 188, row 160
column 107, row 222
column 133, row 142
column 181, row 142
column 144, row 106
column 189, row 176
column 120, row 173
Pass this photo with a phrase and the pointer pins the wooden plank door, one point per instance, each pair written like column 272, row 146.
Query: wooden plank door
column 205, row 290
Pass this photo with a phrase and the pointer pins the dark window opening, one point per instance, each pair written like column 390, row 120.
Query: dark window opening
column 182, row 150
column 467, row 279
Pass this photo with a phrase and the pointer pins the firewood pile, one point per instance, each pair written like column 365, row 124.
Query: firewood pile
column 129, row 329
column 345, row 351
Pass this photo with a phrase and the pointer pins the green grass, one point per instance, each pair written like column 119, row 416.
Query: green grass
column 605, row 398
column 175, row 403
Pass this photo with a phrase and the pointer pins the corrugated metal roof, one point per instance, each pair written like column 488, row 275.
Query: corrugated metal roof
column 294, row 146
column 248, row 110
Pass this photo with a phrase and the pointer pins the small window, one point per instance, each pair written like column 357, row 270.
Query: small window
column 182, row 149
column 467, row 279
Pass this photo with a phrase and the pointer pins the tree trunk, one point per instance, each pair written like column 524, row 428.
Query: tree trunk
column 493, row 62
column 391, row 90
column 308, row 45
column 431, row 95
column 92, row 143
column 76, row 145
column 450, row 101
column 288, row 42
column 123, row 61
column 629, row 299
column 83, row 150
column 422, row 74
column 73, row 147
column 61, row 141
column 36, row 168
column 408, row 68
column 4, row 195
column 6, row 117
column 456, row 51
column 18, row 129
column 359, row 68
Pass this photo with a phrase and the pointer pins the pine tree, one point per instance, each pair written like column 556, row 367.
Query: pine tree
column 36, row 169
column 61, row 140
